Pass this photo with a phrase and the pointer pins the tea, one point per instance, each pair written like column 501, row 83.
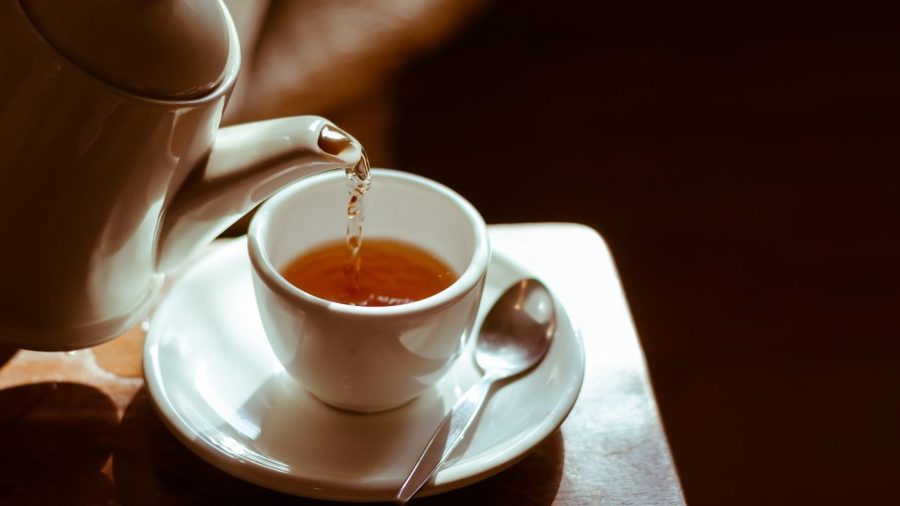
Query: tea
column 385, row 273
column 358, row 183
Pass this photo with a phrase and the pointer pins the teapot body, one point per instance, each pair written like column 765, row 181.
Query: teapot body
column 86, row 173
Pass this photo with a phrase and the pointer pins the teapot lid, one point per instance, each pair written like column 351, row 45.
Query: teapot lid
column 164, row 49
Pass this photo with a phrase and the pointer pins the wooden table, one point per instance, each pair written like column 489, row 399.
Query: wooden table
column 80, row 428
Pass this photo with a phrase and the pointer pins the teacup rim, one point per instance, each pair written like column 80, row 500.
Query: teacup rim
column 468, row 280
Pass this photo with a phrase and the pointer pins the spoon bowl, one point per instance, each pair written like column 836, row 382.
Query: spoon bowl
column 517, row 331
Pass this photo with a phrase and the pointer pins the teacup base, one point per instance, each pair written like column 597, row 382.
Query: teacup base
column 360, row 409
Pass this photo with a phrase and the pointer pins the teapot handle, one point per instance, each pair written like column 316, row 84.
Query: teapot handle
column 247, row 164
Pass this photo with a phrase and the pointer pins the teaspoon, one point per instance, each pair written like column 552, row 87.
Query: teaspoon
column 514, row 337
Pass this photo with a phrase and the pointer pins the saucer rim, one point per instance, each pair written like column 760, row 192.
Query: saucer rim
column 454, row 476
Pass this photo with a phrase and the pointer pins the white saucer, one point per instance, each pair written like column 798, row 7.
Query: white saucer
column 221, row 391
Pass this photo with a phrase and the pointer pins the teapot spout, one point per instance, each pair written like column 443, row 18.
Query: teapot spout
column 247, row 164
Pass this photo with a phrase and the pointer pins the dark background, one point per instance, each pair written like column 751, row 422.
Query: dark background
column 741, row 161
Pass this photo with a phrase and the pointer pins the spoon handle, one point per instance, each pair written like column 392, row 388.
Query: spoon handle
column 447, row 436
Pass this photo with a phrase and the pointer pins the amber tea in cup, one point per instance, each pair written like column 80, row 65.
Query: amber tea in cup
column 385, row 272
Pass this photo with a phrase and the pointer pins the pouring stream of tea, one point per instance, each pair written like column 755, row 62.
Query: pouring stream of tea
column 358, row 183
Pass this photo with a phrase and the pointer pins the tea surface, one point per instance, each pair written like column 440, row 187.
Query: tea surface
column 384, row 273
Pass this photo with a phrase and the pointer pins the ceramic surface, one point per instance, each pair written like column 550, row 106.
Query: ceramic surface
column 219, row 387
column 104, row 189
column 368, row 358
column 162, row 49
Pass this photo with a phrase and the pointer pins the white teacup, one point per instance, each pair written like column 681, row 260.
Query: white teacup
column 368, row 358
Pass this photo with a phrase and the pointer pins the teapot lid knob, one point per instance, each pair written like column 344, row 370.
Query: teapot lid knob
column 164, row 49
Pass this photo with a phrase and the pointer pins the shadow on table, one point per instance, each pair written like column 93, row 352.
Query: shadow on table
column 152, row 467
column 54, row 441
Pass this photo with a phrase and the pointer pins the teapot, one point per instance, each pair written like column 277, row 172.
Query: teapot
column 113, row 167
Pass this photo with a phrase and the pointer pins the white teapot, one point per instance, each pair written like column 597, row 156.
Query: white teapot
column 113, row 168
